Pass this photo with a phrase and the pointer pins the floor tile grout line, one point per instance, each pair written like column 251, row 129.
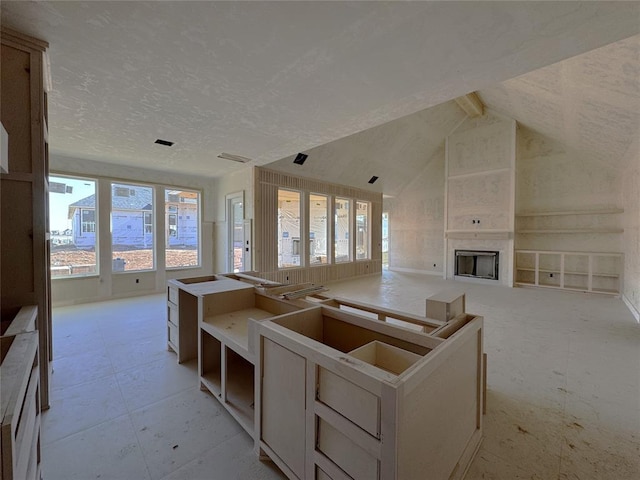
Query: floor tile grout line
column 103, row 422
column 206, row 452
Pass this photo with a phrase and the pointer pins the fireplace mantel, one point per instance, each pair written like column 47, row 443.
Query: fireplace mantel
column 479, row 234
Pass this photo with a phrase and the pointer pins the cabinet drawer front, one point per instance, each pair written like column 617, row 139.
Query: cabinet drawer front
column 173, row 295
column 172, row 335
column 173, row 313
column 346, row 454
column 349, row 400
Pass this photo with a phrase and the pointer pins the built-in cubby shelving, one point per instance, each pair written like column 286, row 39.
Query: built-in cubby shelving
column 570, row 249
column 596, row 272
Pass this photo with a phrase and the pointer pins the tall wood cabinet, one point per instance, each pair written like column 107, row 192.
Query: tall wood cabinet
column 24, row 217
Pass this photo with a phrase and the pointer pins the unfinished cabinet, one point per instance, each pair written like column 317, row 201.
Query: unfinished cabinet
column 24, row 248
column 578, row 271
column 342, row 396
column 227, row 353
column 20, row 398
column 184, row 299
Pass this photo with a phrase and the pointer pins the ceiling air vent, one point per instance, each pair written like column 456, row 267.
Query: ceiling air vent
column 300, row 158
column 166, row 143
column 234, row 158
column 373, row 179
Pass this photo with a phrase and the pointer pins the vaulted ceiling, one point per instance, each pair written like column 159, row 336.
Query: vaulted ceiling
column 266, row 80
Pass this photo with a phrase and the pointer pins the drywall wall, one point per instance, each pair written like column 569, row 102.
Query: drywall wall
column 416, row 220
column 107, row 284
column 631, row 222
column 480, row 183
column 551, row 177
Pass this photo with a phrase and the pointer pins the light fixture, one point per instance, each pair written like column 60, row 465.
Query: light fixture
column 373, row 179
column 234, row 158
column 300, row 158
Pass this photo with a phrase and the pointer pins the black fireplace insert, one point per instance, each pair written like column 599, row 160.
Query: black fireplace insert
column 477, row 264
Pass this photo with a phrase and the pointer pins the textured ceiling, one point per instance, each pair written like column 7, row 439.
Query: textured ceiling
column 267, row 79
column 590, row 103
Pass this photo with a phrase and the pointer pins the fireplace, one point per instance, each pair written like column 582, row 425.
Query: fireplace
column 477, row 264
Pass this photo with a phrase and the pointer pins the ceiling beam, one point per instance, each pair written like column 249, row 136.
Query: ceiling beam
column 471, row 104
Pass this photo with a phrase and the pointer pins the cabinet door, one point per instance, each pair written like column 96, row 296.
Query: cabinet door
column 283, row 405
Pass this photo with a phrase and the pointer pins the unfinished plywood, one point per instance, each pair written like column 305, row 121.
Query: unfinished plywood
column 363, row 395
column 283, row 386
column 24, row 211
column 20, row 407
column 446, row 305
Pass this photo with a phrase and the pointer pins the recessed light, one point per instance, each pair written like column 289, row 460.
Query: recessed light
column 373, row 179
column 166, row 143
column 234, row 158
column 300, row 158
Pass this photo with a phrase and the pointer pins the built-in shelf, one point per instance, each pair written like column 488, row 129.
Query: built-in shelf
column 596, row 272
column 606, row 211
column 573, row 230
column 542, row 270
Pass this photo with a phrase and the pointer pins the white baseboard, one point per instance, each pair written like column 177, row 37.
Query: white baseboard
column 415, row 270
column 634, row 311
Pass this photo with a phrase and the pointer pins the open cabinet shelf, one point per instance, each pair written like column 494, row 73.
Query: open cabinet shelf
column 576, row 271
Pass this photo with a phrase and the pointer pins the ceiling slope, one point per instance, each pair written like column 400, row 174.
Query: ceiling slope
column 589, row 103
column 267, row 79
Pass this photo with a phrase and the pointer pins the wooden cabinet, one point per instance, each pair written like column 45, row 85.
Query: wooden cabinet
column 227, row 351
column 575, row 250
column 342, row 396
column 183, row 297
column 20, row 398
column 595, row 272
column 24, row 212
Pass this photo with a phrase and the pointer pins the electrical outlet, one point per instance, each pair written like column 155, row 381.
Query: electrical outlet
column 137, row 280
column 551, row 275
column 434, row 265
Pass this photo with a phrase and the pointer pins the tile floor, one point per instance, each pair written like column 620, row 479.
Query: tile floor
column 563, row 389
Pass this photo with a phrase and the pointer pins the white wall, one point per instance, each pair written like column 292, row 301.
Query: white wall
column 550, row 177
column 416, row 221
column 631, row 196
column 109, row 285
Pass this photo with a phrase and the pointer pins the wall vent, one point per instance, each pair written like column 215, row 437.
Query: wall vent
column 373, row 179
column 166, row 143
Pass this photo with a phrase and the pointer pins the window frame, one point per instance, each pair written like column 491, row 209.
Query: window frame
column 350, row 220
column 198, row 220
column 96, row 232
column 127, row 184
column 302, row 250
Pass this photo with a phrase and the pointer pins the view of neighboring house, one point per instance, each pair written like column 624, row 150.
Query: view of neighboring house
column 132, row 218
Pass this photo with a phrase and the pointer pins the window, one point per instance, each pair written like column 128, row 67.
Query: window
column 362, row 231
column 288, row 229
column 342, row 230
column 88, row 220
column 132, row 235
column 318, row 214
column 72, row 217
column 182, row 238
column 385, row 239
column 148, row 222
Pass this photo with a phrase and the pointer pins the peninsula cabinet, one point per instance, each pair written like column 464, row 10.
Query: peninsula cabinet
column 227, row 352
column 343, row 396
column 24, row 214
column 184, row 306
